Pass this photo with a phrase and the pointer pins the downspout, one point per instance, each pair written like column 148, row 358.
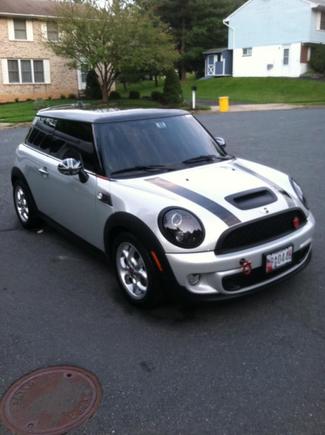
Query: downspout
column 226, row 23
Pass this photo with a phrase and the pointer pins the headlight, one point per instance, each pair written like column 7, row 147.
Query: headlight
column 181, row 228
column 299, row 192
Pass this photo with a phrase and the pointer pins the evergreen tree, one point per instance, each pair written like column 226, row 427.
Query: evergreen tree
column 196, row 25
column 172, row 88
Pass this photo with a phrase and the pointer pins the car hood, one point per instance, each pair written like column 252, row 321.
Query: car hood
column 205, row 191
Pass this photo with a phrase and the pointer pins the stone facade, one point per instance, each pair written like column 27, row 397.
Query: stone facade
column 59, row 80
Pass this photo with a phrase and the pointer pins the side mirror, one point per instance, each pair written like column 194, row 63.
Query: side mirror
column 72, row 166
column 221, row 142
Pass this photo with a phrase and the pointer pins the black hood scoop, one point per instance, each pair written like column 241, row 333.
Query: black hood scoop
column 252, row 198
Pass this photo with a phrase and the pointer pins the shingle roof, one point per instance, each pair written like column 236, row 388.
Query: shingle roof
column 34, row 8
column 214, row 50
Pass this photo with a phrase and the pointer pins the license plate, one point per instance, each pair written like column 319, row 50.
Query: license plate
column 278, row 259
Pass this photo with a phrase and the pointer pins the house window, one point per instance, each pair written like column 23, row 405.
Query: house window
column 247, row 51
column 286, row 54
column 26, row 71
column 38, row 71
column 322, row 21
column 20, row 29
column 83, row 73
column 52, row 31
column 13, row 71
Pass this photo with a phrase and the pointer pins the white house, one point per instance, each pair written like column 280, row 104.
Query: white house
column 274, row 37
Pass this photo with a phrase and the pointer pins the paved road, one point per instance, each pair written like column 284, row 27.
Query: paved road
column 251, row 366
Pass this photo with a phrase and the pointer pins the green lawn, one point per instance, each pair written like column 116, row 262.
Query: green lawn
column 247, row 90
column 25, row 111
column 244, row 90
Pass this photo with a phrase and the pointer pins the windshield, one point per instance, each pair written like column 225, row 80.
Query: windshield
column 130, row 148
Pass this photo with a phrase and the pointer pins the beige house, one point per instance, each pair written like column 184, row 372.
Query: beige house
column 30, row 69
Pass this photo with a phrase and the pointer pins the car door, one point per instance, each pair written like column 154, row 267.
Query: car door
column 73, row 201
column 37, row 161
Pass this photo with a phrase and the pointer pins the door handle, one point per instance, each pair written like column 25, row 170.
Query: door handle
column 43, row 172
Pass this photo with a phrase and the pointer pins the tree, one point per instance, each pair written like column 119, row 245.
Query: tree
column 317, row 58
column 172, row 88
column 93, row 90
column 195, row 24
column 112, row 37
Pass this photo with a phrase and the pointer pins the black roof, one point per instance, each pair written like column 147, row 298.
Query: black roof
column 101, row 117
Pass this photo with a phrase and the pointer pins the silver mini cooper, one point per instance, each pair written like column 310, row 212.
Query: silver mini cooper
column 161, row 196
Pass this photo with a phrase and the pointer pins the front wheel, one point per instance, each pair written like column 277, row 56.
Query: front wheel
column 136, row 272
column 25, row 206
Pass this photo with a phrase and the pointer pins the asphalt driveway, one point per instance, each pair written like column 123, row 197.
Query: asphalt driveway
column 250, row 366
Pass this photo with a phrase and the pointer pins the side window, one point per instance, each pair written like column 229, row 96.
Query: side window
column 75, row 139
column 40, row 135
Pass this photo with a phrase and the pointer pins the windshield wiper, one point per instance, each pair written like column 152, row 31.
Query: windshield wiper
column 143, row 168
column 202, row 159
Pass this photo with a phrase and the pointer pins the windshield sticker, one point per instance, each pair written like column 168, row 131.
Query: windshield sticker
column 161, row 124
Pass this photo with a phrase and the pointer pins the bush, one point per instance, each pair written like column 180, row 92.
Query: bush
column 173, row 93
column 49, row 98
column 317, row 59
column 72, row 96
column 93, row 90
column 134, row 95
column 157, row 96
column 17, row 100
column 114, row 95
column 62, row 97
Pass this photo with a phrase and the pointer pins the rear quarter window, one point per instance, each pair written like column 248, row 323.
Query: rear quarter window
column 41, row 133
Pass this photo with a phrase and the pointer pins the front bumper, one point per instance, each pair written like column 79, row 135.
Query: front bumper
column 220, row 275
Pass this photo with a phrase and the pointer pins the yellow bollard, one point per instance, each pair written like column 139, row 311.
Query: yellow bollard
column 224, row 104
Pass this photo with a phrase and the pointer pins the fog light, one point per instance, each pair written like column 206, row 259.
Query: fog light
column 194, row 279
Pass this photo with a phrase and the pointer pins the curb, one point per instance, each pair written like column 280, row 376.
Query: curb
column 6, row 125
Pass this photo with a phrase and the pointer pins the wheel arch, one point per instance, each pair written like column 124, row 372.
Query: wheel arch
column 126, row 222
column 16, row 174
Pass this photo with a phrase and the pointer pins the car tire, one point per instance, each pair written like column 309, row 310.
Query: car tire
column 136, row 271
column 25, row 206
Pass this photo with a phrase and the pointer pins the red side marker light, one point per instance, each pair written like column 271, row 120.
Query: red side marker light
column 246, row 266
column 156, row 260
column 296, row 222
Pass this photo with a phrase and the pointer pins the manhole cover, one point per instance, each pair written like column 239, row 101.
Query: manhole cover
column 50, row 401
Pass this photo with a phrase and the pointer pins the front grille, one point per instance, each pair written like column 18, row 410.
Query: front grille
column 259, row 231
column 239, row 281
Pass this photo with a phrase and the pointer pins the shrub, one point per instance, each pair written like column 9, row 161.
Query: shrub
column 49, row 98
column 40, row 104
column 114, row 95
column 317, row 59
column 134, row 95
column 72, row 96
column 93, row 90
column 173, row 93
column 62, row 97
column 157, row 96
column 17, row 100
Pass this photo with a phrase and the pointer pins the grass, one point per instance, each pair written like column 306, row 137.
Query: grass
column 25, row 111
column 247, row 90
column 242, row 90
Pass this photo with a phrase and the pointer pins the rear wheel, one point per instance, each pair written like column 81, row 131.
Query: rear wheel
column 25, row 206
column 136, row 272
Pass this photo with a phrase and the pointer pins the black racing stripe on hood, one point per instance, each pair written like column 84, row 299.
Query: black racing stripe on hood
column 283, row 192
column 201, row 200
